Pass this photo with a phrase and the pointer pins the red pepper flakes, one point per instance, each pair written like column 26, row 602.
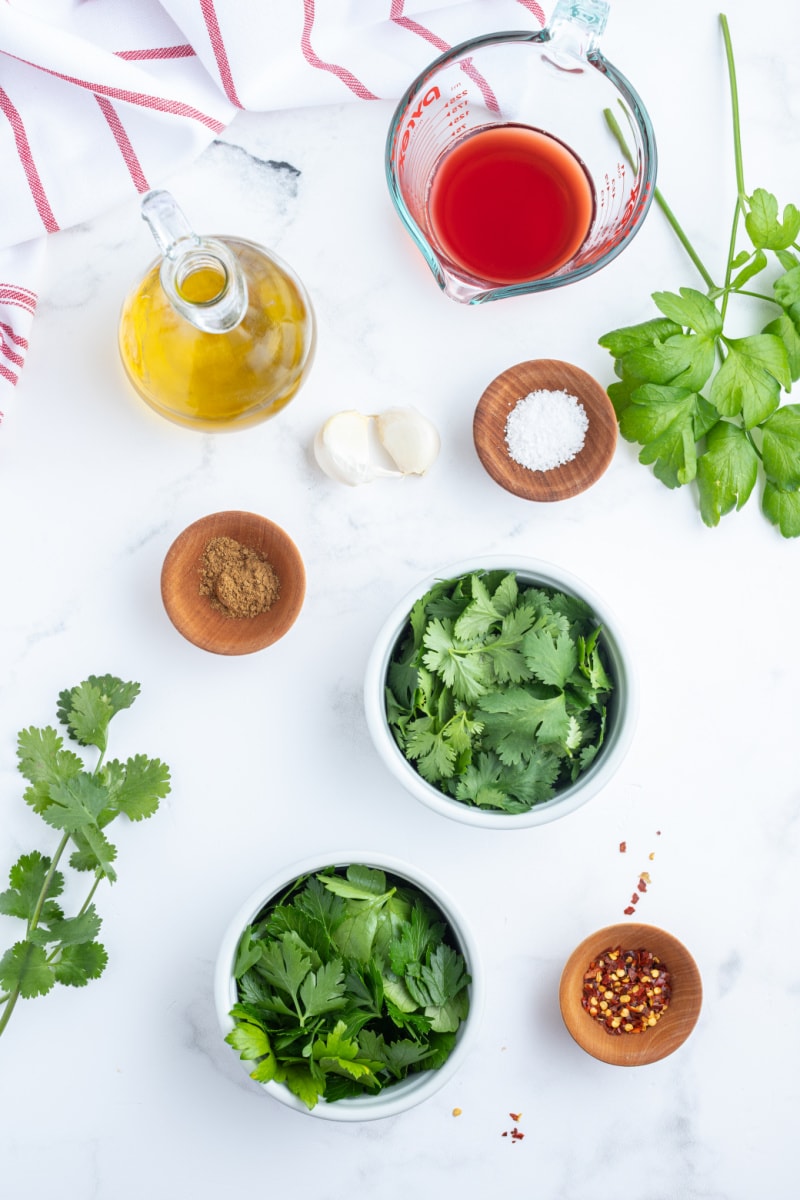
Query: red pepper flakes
column 630, row 909
column 642, row 886
column 635, row 898
column 627, row 991
column 623, row 846
column 515, row 1134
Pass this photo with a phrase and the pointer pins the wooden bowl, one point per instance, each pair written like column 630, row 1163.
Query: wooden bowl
column 193, row 615
column 677, row 1021
column 502, row 395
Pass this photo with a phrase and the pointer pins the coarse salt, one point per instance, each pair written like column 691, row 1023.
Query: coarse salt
column 545, row 430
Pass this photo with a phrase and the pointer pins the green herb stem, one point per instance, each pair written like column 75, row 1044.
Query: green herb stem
column 675, row 224
column 753, row 295
column 684, row 240
column 734, row 89
column 13, row 996
column 737, row 150
column 48, row 879
column 10, row 1000
column 90, row 897
column 67, row 952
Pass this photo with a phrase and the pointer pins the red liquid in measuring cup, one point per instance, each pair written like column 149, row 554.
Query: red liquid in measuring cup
column 508, row 204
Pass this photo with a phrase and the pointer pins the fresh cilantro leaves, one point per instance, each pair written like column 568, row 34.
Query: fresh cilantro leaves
column 81, row 803
column 706, row 407
column 346, row 984
column 497, row 692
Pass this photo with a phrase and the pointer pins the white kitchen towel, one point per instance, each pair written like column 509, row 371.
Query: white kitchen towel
column 101, row 97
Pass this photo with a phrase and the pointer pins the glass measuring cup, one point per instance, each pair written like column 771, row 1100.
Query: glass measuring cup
column 502, row 166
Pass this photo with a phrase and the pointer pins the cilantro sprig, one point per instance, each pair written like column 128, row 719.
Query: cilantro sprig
column 705, row 406
column 347, row 983
column 498, row 692
column 81, row 803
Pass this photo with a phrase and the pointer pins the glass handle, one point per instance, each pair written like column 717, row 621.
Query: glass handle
column 578, row 25
column 167, row 223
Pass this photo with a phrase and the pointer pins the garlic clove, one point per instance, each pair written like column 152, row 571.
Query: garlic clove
column 342, row 449
column 409, row 438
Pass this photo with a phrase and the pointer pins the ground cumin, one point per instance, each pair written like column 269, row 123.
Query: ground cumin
column 240, row 582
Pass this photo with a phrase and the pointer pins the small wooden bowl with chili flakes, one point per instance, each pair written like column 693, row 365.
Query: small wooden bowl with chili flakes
column 233, row 582
column 630, row 994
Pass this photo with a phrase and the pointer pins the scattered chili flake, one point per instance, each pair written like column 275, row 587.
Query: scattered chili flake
column 641, row 888
column 627, row 991
column 515, row 1134
column 623, row 846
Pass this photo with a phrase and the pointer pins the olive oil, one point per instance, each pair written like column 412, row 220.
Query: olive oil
column 215, row 380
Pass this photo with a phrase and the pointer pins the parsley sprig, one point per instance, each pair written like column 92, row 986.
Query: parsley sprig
column 347, row 984
column 706, row 406
column 81, row 803
column 497, row 692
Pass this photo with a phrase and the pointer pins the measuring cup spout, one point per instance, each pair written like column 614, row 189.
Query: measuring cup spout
column 201, row 276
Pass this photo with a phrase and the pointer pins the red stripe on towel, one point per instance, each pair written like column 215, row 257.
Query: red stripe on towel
column 28, row 165
column 173, row 108
column 6, row 373
column 396, row 16
column 220, row 53
column 11, row 355
column 8, row 332
column 20, row 297
column 158, row 52
column 123, row 141
column 347, row 78
column 534, row 8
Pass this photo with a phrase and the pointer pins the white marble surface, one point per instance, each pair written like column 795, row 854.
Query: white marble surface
column 124, row 1089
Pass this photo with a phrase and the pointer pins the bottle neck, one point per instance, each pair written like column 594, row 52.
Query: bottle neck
column 204, row 282
column 202, row 277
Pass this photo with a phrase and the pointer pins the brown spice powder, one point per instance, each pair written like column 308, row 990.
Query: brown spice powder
column 240, row 582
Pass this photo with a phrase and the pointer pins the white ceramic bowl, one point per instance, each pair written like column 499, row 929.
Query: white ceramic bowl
column 407, row 1092
column 623, row 706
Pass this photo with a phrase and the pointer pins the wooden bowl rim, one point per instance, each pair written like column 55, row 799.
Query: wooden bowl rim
column 674, row 1027
column 501, row 396
column 192, row 614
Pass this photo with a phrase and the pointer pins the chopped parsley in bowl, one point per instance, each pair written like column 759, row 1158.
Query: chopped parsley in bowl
column 349, row 986
column 501, row 694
